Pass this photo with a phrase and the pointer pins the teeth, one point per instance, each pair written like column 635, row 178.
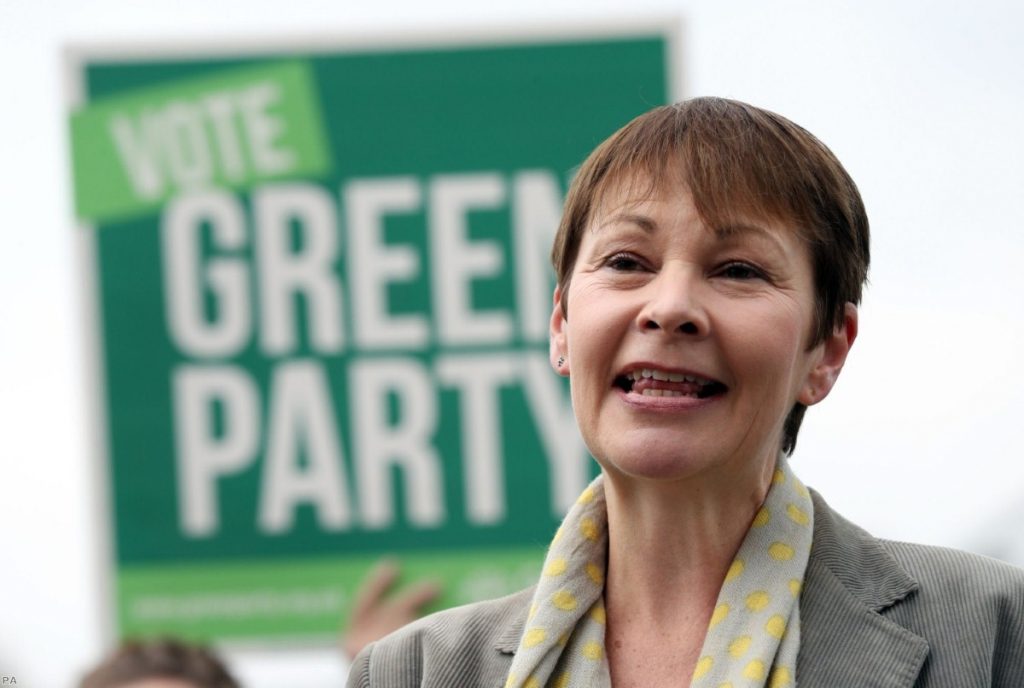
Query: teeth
column 663, row 393
column 666, row 377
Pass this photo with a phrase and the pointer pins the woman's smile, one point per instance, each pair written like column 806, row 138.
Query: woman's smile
column 651, row 381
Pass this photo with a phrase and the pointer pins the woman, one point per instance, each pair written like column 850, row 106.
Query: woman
column 709, row 263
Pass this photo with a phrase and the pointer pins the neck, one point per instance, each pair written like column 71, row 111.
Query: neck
column 671, row 543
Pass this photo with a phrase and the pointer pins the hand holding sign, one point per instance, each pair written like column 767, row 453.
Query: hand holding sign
column 375, row 613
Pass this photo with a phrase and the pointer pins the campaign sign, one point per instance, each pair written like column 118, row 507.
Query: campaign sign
column 321, row 291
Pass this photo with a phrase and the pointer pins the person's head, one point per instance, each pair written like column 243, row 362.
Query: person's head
column 162, row 663
column 738, row 163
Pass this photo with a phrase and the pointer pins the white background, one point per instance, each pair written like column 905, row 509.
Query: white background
column 922, row 101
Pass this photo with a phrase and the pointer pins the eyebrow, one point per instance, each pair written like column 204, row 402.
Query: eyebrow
column 739, row 229
column 642, row 221
column 722, row 233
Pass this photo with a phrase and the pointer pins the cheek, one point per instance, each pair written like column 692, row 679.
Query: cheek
column 595, row 324
column 594, row 336
column 768, row 346
column 588, row 360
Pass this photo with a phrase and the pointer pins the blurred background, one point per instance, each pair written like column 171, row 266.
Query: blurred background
column 921, row 439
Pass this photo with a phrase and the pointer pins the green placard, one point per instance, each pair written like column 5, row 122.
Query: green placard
column 308, row 366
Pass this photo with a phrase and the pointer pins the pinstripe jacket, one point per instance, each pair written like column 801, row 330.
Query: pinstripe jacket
column 873, row 613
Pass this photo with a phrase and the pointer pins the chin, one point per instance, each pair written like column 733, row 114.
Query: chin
column 665, row 461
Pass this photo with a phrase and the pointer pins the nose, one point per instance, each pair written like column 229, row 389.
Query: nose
column 674, row 305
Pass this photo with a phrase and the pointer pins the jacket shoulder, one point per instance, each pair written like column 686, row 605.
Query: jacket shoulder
column 469, row 645
column 958, row 571
column 966, row 612
column 968, row 586
column 970, row 607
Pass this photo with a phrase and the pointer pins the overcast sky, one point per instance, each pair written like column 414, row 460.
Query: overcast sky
column 922, row 101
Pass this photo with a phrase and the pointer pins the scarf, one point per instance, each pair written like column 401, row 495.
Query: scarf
column 754, row 632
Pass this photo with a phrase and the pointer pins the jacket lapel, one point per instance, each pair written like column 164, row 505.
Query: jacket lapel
column 508, row 637
column 845, row 639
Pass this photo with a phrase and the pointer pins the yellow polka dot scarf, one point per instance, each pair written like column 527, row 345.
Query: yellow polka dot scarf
column 754, row 633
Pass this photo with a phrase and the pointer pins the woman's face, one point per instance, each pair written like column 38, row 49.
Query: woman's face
column 686, row 347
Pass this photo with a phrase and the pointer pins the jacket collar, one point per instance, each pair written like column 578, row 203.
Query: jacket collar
column 508, row 637
column 845, row 639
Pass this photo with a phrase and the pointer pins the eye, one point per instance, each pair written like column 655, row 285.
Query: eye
column 624, row 262
column 738, row 270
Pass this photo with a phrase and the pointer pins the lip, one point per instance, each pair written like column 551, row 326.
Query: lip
column 664, row 404
column 681, row 402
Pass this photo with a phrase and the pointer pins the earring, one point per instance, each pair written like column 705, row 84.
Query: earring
column 561, row 361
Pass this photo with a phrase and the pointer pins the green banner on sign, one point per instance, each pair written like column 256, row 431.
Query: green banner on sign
column 250, row 600
column 234, row 129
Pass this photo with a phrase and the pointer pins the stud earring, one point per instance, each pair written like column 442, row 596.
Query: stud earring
column 561, row 361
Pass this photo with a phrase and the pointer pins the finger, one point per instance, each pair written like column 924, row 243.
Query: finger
column 415, row 597
column 375, row 586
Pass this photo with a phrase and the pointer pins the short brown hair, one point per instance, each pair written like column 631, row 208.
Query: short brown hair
column 162, row 658
column 737, row 161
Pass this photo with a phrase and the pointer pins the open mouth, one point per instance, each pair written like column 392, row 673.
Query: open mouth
column 660, row 383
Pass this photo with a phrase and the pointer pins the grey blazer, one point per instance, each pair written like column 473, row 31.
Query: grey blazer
column 873, row 613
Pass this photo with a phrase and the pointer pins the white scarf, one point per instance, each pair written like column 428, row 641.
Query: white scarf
column 754, row 633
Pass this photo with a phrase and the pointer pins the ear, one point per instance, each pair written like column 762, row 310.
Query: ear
column 830, row 357
column 559, row 339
